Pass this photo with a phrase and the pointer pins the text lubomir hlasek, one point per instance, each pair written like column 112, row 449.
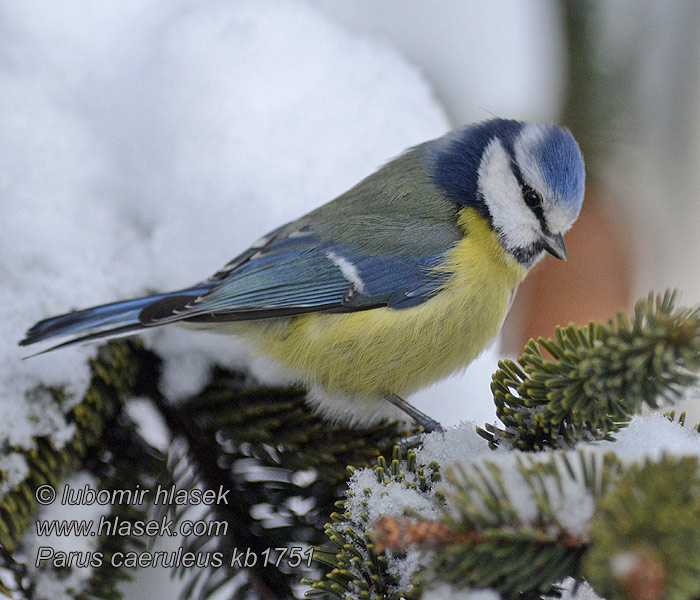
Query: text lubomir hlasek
column 163, row 495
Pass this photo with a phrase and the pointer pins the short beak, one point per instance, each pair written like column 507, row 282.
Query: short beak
column 554, row 244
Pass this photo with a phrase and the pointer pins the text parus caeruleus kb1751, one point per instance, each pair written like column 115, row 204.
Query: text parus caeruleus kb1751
column 393, row 285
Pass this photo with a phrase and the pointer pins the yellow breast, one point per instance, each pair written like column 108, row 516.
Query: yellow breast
column 383, row 350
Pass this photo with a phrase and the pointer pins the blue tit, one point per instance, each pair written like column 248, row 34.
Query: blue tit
column 395, row 284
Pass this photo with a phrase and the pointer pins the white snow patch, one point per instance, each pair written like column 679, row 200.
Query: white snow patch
column 373, row 500
column 385, row 499
column 148, row 142
column 458, row 443
column 651, row 436
column 570, row 591
column 13, row 470
column 444, row 591
column 34, row 414
column 149, row 422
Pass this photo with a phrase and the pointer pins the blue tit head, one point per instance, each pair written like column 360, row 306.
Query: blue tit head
column 527, row 179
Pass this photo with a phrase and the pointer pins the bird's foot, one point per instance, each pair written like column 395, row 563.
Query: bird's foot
column 428, row 424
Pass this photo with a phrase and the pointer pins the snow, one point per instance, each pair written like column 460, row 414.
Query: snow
column 146, row 143
column 581, row 592
column 149, row 423
column 386, row 498
column 648, row 437
column 371, row 500
column 651, row 436
column 572, row 504
column 405, row 566
column 14, row 469
column 35, row 413
column 463, row 448
column 460, row 442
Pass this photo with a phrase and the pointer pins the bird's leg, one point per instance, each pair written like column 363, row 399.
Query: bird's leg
column 429, row 425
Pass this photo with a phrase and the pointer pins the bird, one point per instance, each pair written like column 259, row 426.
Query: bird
column 393, row 285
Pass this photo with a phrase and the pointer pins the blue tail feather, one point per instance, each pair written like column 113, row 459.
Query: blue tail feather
column 118, row 318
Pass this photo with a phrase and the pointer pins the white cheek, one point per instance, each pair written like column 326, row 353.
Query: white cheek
column 516, row 223
column 561, row 218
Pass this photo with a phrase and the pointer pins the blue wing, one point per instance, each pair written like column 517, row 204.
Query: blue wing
column 290, row 272
column 296, row 271
column 376, row 245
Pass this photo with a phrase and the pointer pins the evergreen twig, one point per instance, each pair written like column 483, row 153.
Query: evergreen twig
column 357, row 567
column 599, row 376
column 639, row 538
column 645, row 535
column 267, row 447
column 113, row 375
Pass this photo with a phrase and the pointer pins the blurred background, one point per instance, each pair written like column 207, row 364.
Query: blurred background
column 144, row 109
column 624, row 76
column 169, row 117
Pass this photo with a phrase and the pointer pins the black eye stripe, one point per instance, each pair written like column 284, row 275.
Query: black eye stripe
column 515, row 168
column 539, row 213
column 537, row 209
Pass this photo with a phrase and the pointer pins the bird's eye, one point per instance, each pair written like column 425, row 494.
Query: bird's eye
column 532, row 198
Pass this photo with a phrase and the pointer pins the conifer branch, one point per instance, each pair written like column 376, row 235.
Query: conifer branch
column 645, row 535
column 599, row 376
column 269, row 584
column 502, row 519
column 113, row 376
column 513, row 519
column 233, row 422
column 235, row 427
column 113, row 464
column 358, row 567
column 638, row 537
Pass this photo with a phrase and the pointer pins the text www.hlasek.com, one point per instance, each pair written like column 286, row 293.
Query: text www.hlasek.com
column 115, row 526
